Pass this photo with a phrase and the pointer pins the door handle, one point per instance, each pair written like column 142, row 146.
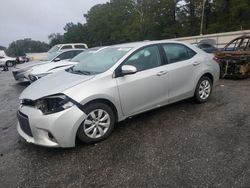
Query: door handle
column 162, row 73
column 196, row 63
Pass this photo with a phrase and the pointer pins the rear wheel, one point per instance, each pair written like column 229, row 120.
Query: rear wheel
column 98, row 124
column 203, row 90
column 10, row 63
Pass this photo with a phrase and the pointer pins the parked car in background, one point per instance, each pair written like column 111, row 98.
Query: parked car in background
column 61, row 47
column 6, row 61
column 50, row 68
column 2, row 53
column 22, row 59
column 209, row 48
column 118, row 82
column 21, row 72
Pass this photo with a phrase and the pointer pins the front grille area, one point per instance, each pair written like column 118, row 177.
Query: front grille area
column 24, row 123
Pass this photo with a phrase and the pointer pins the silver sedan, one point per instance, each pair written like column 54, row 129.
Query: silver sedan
column 118, row 82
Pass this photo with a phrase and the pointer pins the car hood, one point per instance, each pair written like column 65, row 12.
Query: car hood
column 44, row 68
column 53, row 84
column 31, row 64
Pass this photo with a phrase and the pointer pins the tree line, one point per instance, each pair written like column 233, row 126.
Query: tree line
column 121, row 21
column 21, row 47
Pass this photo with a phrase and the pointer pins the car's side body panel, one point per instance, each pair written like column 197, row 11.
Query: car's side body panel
column 143, row 90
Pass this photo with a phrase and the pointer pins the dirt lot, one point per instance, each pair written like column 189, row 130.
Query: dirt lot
column 181, row 145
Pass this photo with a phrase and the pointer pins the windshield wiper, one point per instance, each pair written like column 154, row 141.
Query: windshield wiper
column 81, row 72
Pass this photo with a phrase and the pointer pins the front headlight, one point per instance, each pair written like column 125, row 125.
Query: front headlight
column 53, row 104
column 36, row 77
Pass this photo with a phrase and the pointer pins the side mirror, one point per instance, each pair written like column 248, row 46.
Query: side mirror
column 128, row 69
column 57, row 59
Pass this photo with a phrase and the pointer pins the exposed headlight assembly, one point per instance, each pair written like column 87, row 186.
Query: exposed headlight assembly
column 53, row 104
column 33, row 78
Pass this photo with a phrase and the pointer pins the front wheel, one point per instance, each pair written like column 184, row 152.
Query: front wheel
column 203, row 90
column 98, row 124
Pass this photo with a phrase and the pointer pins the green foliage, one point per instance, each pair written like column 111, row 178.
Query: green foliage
column 121, row 21
column 229, row 15
column 55, row 38
column 21, row 47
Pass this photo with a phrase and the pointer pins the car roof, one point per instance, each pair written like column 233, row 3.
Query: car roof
column 70, row 44
column 73, row 49
column 96, row 48
column 145, row 43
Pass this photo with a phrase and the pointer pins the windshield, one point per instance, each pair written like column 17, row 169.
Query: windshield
column 54, row 49
column 100, row 62
column 50, row 56
column 82, row 56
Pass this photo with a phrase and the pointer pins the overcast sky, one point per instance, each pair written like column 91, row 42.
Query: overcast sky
column 37, row 19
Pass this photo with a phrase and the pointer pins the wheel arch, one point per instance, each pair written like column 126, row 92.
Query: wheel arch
column 209, row 75
column 105, row 101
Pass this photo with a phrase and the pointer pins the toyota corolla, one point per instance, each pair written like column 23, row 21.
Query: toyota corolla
column 118, row 82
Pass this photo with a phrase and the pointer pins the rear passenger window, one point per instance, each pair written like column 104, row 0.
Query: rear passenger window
column 68, row 54
column 177, row 52
column 66, row 47
column 80, row 46
column 191, row 53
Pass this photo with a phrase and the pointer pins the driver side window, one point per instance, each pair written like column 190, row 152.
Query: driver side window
column 146, row 58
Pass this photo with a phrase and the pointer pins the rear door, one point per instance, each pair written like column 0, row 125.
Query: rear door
column 182, row 66
column 146, row 89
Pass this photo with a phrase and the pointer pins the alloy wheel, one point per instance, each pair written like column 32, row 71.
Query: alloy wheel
column 204, row 89
column 96, row 124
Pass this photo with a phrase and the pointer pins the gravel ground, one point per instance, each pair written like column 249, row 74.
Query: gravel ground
column 180, row 145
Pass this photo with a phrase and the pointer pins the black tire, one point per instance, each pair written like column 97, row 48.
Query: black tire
column 10, row 64
column 82, row 136
column 197, row 96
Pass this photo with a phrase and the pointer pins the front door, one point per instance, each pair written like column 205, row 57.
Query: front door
column 146, row 89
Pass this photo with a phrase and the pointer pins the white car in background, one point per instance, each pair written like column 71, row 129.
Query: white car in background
column 61, row 47
column 50, row 68
column 6, row 61
column 21, row 72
